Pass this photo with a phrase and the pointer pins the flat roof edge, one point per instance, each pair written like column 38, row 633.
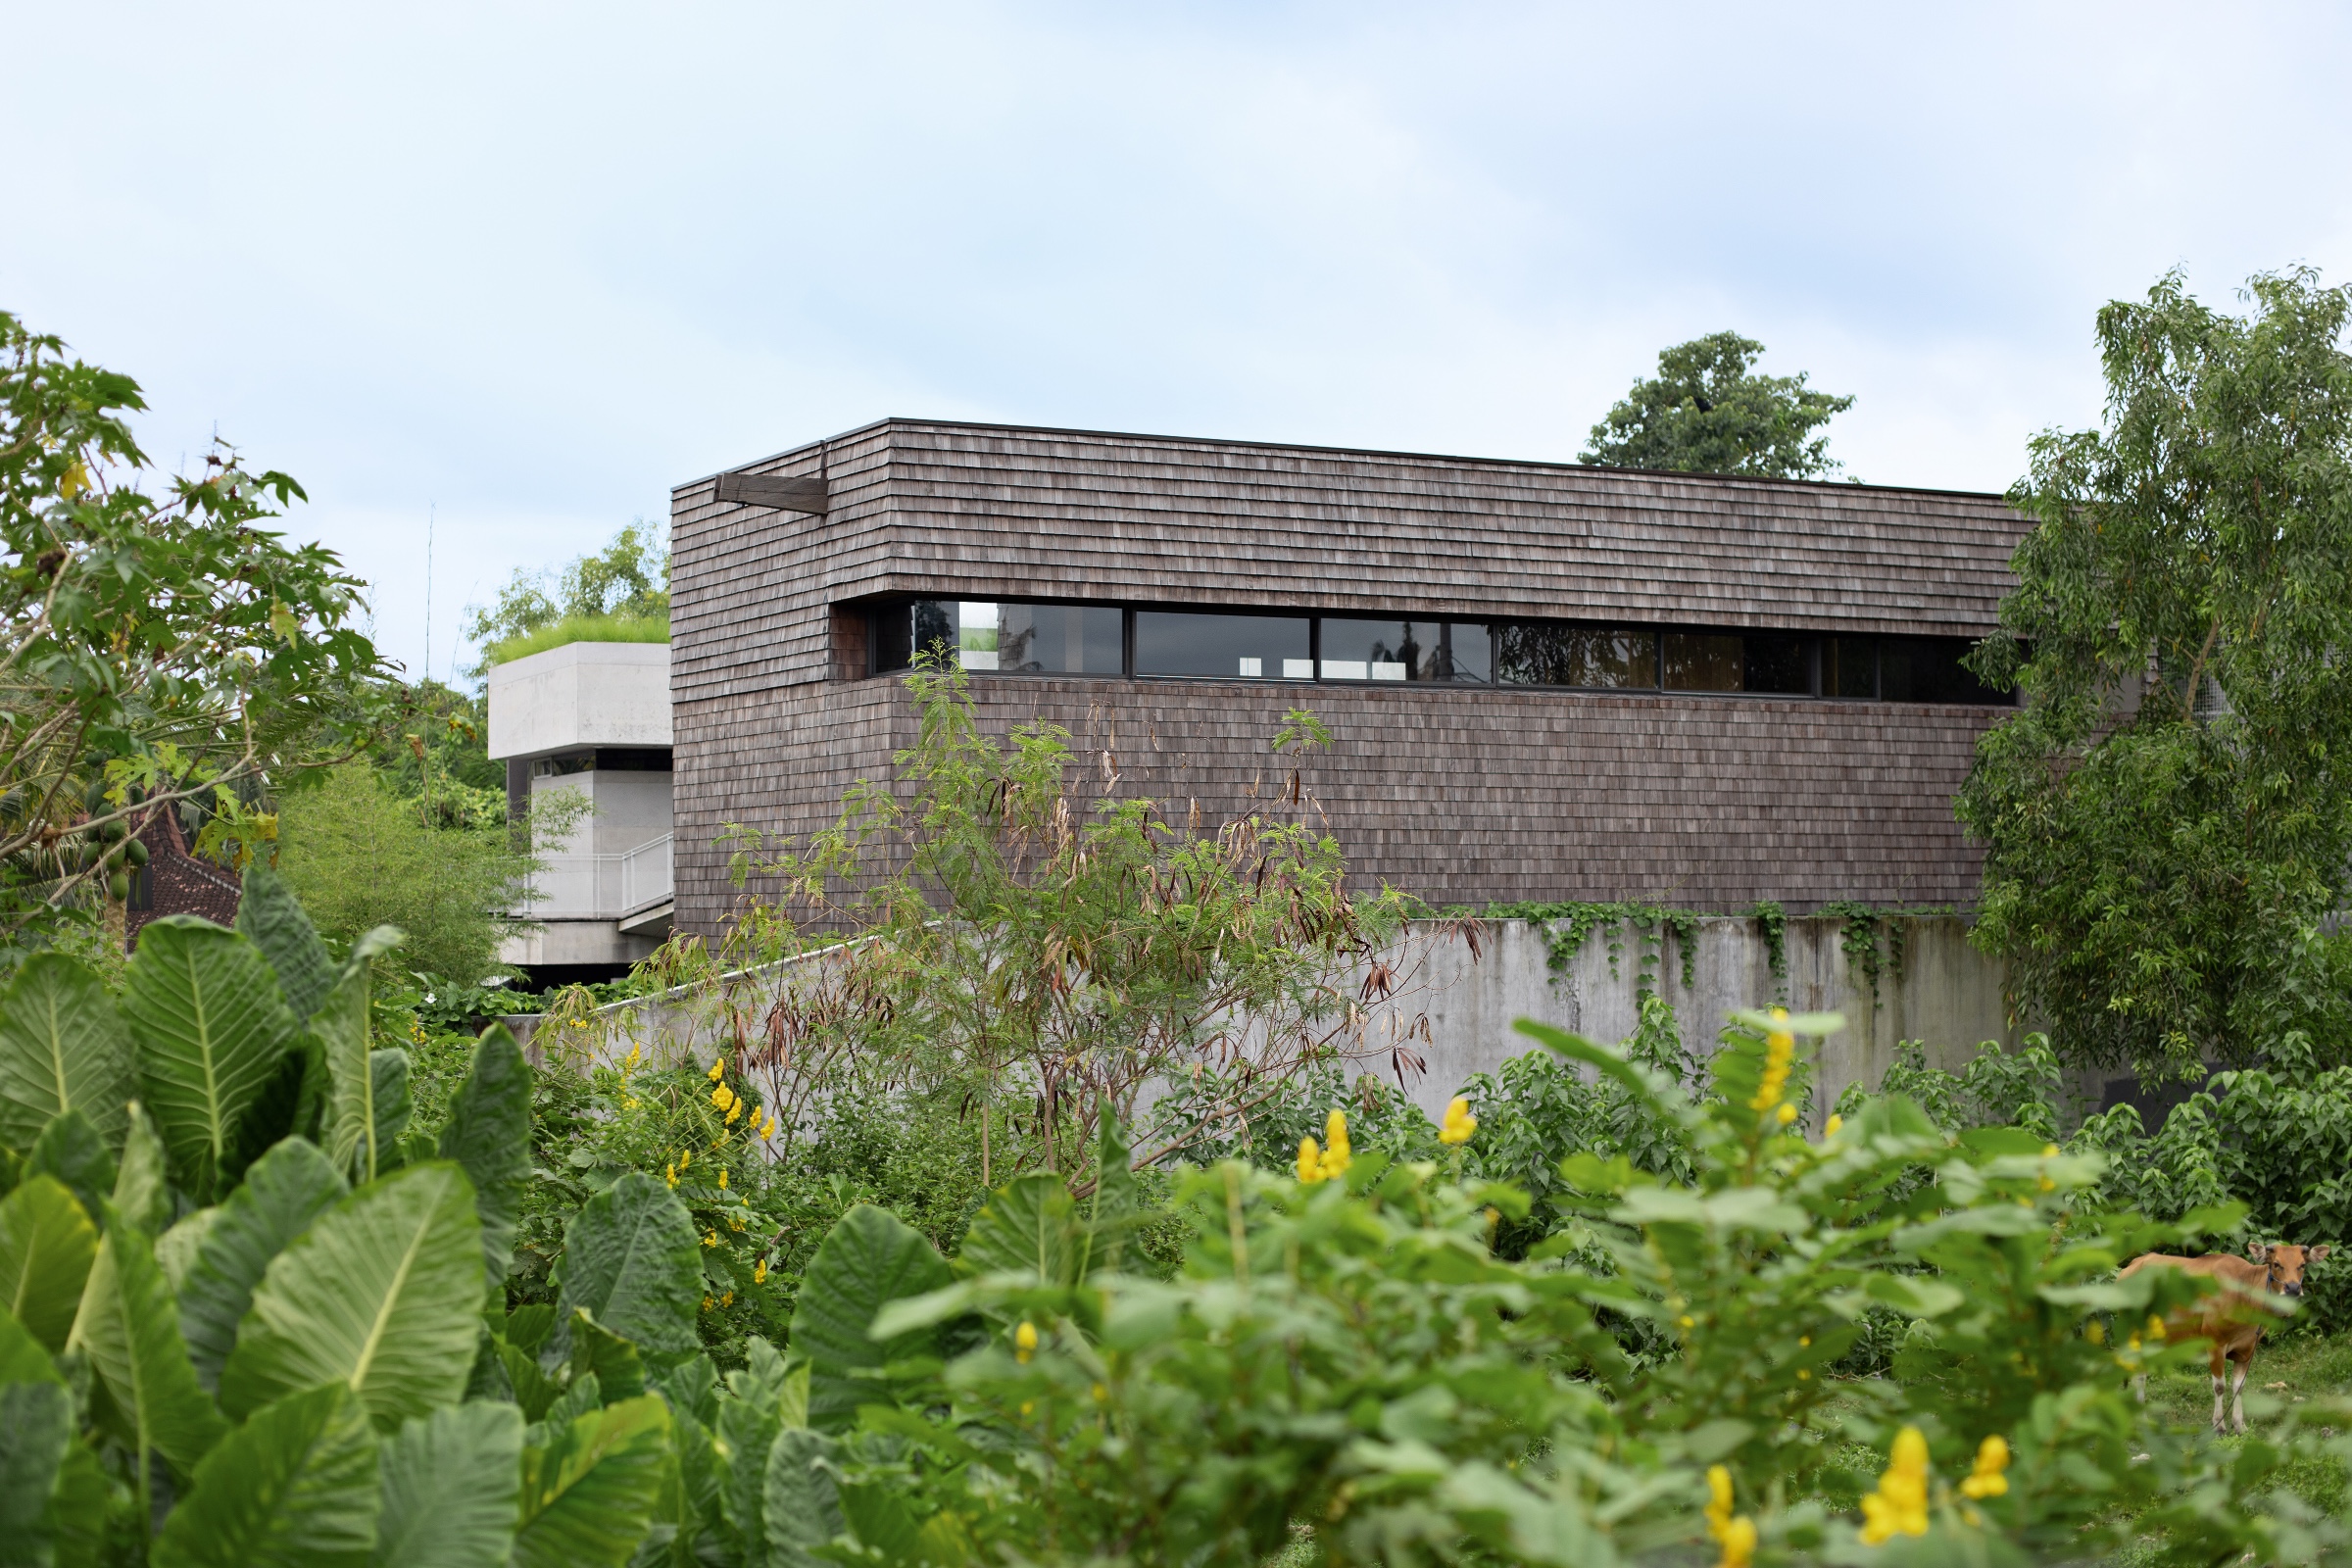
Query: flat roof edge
column 909, row 423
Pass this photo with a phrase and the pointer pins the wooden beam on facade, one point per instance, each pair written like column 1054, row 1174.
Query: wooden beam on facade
column 772, row 490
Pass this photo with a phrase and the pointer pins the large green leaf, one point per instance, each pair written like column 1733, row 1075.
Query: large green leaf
column 24, row 1358
column 212, row 1030
column 453, row 1485
column 747, row 1425
column 489, row 1133
column 801, row 1507
column 36, row 1426
column 63, row 1047
column 268, row 916
column 1028, row 1226
column 340, row 1025
column 589, row 1495
column 1116, row 1207
column 46, row 1244
column 631, row 1258
column 295, row 1486
column 71, row 1150
column 391, row 1101
column 869, row 1259
column 128, row 1327
column 142, row 1191
column 175, row 1250
column 382, row 1292
column 284, row 1191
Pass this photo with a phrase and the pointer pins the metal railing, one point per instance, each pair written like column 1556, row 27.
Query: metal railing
column 599, row 887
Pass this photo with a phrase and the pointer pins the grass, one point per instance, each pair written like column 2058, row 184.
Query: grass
column 579, row 629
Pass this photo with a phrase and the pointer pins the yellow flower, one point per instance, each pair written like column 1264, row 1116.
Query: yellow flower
column 718, row 1070
column 1829, row 1129
column 1780, row 1049
column 1687, row 1321
column 733, row 1111
column 1738, row 1544
column 707, row 1304
column 2095, row 1332
column 1459, row 1124
column 1336, row 1157
column 711, row 1238
column 1310, row 1160
column 722, row 1176
column 1986, row 1480
column 1900, row 1505
column 727, row 1299
column 1786, row 1114
column 760, row 1272
column 1025, row 1342
column 685, row 1159
column 734, row 1222
column 722, row 1097
column 1718, row 1504
column 2049, row 1150
column 2156, row 1329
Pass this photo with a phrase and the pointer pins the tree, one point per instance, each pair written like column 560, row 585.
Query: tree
column 1040, row 964
column 358, row 855
column 157, row 648
column 1703, row 412
column 627, row 581
column 2169, row 817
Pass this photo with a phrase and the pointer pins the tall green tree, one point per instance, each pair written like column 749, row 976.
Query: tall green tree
column 627, row 581
column 2168, row 817
column 1706, row 413
column 159, row 642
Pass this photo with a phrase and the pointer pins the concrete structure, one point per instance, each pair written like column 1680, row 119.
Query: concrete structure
column 591, row 720
column 1946, row 994
column 1545, row 681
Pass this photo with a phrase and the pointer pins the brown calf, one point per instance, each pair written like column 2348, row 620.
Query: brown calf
column 2233, row 1316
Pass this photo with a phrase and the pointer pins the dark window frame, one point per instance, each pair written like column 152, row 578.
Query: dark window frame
column 878, row 611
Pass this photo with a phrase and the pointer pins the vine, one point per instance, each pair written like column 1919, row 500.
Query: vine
column 1567, row 926
column 1773, row 921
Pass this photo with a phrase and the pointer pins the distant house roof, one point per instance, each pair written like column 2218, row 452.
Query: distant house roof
column 175, row 882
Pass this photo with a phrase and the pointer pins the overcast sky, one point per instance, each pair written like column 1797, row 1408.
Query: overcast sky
column 523, row 269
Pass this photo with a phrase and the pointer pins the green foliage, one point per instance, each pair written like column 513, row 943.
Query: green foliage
column 631, row 1260
column 1994, row 1089
column 589, row 1494
column 273, row 919
column 212, row 1028
column 2167, row 819
column 295, row 1487
column 488, row 1134
column 1568, row 926
column 62, row 1048
column 1042, row 962
column 1705, row 412
column 621, row 594
column 359, row 856
column 47, row 1242
column 452, row 1489
column 577, row 629
column 159, row 649
column 869, row 1261
column 381, row 1292
column 127, row 1327
column 282, row 1193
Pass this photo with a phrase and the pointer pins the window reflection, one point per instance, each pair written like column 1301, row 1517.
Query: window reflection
column 1170, row 642
column 1849, row 666
column 1402, row 649
column 986, row 636
column 1700, row 662
column 1060, row 640
column 1775, row 662
column 1541, row 654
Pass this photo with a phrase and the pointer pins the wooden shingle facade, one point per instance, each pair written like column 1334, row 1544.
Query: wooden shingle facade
column 1464, row 793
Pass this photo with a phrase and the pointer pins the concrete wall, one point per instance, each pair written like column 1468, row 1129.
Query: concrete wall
column 580, row 695
column 1948, row 996
column 629, row 809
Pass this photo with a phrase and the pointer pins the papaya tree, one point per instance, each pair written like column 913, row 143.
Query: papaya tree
column 160, row 643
